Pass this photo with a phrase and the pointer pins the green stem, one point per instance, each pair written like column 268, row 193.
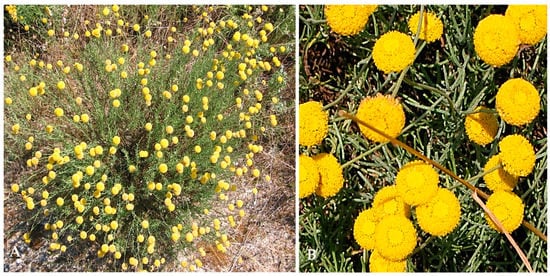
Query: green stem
column 417, row 249
column 435, row 90
column 397, row 85
column 419, row 27
column 312, row 21
column 485, row 110
column 480, row 175
column 362, row 155
column 345, row 92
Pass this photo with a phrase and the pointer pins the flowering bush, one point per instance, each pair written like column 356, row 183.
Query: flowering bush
column 423, row 121
column 127, row 133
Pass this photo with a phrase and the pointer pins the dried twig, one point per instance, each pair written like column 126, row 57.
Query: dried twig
column 501, row 227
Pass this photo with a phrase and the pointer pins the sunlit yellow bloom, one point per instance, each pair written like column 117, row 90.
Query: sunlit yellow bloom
column 531, row 21
column 430, row 30
column 517, row 102
column 313, row 123
column 331, row 177
column 481, row 126
column 417, row 182
column 498, row 179
column 496, row 40
column 393, row 52
column 507, row 208
column 517, row 155
column 384, row 113
column 395, row 237
column 363, row 228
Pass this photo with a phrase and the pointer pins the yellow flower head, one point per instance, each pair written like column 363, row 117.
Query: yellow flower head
column 388, row 202
column 517, row 155
column 348, row 19
column 440, row 215
column 313, row 123
column 384, row 113
column 309, row 176
column 481, row 126
column 499, row 179
column 393, row 51
column 60, row 85
column 530, row 20
column 507, row 208
column 431, row 29
column 332, row 179
column 377, row 263
column 416, row 182
column 395, row 238
column 58, row 112
column 517, row 102
column 496, row 40
column 363, row 228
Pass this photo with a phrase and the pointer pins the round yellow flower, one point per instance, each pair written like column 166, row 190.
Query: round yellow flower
column 496, row 40
column 363, row 228
column 517, row 155
column 481, row 126
column 499, row 179
column 517, row 102
column 530, row 20
column 388, row 202
column 395, row 238
column 417, row 182
column 60, row 85
column 431, row 29
column 393, row 51
column 309, row 176
column 440, row 215
column 313, row 123
column 377, row 263
column 163, row 168
column 507, row 208
column 58, row 112
column 331, row 175
column 348, row 19
column 384, row 113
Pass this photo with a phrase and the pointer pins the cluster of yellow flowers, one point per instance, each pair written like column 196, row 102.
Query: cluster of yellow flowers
column 497, row 37
column 517, row 102
column 320, row 174
column 394, row 50
column 12, row 11
column 386, row 227
column 126, row 172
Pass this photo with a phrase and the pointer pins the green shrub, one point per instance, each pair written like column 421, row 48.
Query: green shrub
column 131, row 122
